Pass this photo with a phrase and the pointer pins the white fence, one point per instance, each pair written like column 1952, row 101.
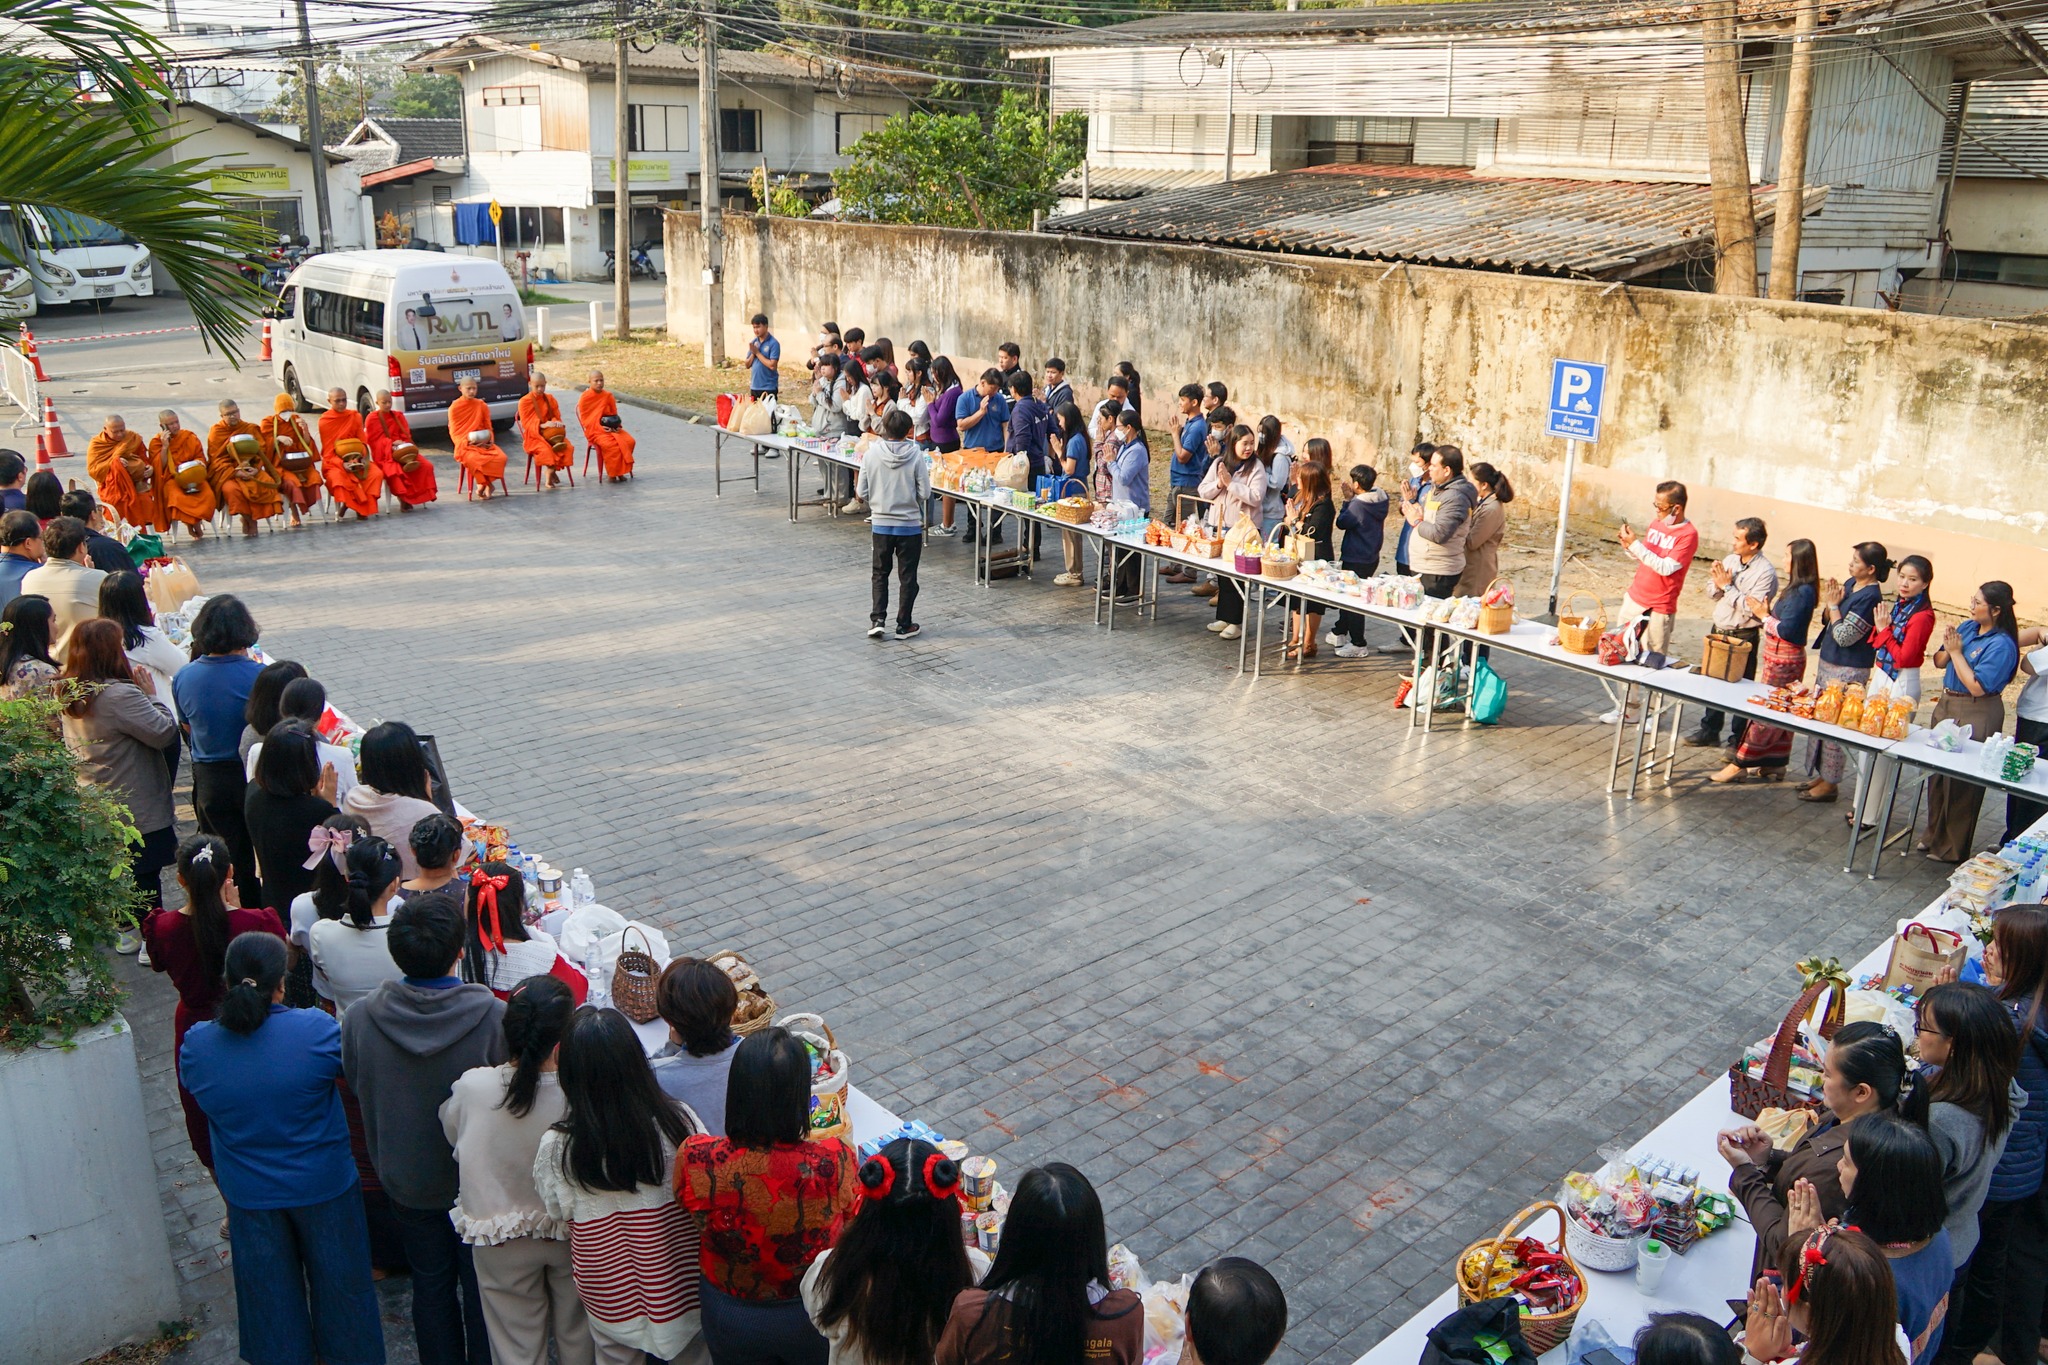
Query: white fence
column 18, row 385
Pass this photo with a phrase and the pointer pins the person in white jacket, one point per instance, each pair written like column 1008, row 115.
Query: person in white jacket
column 896, row 483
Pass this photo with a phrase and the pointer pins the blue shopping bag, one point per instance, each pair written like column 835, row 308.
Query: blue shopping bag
column 1489, row 695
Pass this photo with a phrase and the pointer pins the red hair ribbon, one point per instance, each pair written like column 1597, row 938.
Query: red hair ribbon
column 941, row 1177
column 1812, row 1254
column 487, row 888
column 877, row 1177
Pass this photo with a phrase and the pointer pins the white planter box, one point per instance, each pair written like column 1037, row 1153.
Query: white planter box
column 84, row 1261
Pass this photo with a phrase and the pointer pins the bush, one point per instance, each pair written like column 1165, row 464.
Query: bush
column 64, row 885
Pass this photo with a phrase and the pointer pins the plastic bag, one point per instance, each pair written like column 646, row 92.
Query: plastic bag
column 1489, row 695
column 1613, row 1201
column 1589, row 1334
column 1166, row 1319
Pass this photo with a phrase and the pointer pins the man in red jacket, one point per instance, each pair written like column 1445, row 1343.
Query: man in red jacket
column 1663, row 554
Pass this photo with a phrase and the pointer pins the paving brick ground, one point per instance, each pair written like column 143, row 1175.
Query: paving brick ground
column 1281, row 977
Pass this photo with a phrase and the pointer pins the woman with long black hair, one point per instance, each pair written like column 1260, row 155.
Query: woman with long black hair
column 265, row 1077
column 292, row 795
column 499, row 949
column 1047, row 1300
column 351, row 951
column 882, row 1294
column 190, row 945
column 394, row 790
column 603, row 1171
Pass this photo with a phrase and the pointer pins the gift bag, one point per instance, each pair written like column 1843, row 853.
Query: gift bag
column 737, row 413
column 1489, row 695
column 755, row 419
column 1920, row 954
column 1244, row 537
column 1014, row 471
column 170, row 585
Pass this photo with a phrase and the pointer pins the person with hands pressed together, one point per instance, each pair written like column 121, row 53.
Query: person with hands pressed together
column 1744, row 577
column 1363, row 519
column 1235, row 488
column 1848, row 618
column 1966, row 1096
column 1864, row 1068
column 1981, row 656
column 1071, row 450
column 764, row 359
column 1838, row 1294
column 293, row 792
column 2030, row 722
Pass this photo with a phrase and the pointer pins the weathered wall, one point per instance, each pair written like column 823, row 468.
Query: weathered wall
column 1842, row 425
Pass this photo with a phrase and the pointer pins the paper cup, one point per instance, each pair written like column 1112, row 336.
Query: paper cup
column 988, row 1232
column 978, row 1180
column 954, row 1150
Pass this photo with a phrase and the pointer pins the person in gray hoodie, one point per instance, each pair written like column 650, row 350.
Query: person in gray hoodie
column 895, row 483
column 402, row 1050
column 1440, row 517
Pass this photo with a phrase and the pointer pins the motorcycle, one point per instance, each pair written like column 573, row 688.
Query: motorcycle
column 638, row 263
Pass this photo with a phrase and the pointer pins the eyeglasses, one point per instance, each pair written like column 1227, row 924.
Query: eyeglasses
column 1930, row 1032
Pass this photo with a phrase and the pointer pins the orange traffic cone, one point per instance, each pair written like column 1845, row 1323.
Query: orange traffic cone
column 264, row 354
column 43, row 454
column 53, row 433
column 28, row 351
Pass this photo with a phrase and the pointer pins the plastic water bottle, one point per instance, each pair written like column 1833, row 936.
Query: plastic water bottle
column 585, row 891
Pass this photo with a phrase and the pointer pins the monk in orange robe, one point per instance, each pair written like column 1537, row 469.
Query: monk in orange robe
column 295, row 455
column 387, row 430
column 345, row 458
column 614, row 443
column 467, row 415
column 127, row 476
column 542, row 428
column 187, row 480
column 243, row 470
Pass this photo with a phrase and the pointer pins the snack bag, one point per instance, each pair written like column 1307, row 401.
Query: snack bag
column 1850, row 716
column 1830, row 704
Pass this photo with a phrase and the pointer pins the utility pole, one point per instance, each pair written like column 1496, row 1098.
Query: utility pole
column 309, row 78
column 622, row 179
column 1728, row 152
column 1788, row 222
column 710, row 212
column 1229, row 115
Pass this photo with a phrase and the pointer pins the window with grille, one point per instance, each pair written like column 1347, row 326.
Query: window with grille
column 739, row 130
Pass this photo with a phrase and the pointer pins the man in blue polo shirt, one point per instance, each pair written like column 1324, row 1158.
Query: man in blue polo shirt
column 982, row 415
column 765, row 353
column 1190, row 463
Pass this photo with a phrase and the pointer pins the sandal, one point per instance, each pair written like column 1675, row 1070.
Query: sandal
column 1732, row 773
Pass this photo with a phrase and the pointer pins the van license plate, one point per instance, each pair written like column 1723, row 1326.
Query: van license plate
column 461, row 375
column 103, row 291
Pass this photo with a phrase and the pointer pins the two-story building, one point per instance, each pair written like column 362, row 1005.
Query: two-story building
column 1553, row 139
column 1994, row 222
column 538, row 121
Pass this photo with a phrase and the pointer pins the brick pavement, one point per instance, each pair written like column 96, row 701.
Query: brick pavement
column 1282, row 978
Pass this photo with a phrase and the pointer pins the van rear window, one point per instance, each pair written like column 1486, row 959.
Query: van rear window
column 333, row 313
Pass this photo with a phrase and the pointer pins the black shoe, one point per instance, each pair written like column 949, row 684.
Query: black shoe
column 1700, row 739
column 1129, row 600
column 876, row 630
column 909, row 632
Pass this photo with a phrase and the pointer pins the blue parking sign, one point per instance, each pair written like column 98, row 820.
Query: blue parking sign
column 1576, row 387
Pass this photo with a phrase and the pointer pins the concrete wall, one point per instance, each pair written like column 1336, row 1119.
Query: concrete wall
column 1841, row 425
column 2009, row 216
column 82, row 1248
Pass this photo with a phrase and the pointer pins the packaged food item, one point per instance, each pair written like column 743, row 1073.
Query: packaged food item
column 1829, row 706
column 1850, row 714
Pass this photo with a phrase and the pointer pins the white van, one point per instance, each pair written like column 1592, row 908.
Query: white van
column 415, row 322
column 69, row 258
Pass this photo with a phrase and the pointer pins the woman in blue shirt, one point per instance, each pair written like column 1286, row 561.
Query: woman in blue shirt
column 1849, row 617
column 212, row 693
column 1071, row 438
column 1766, row 750
column 265, row 1077
column 1981, row 656
column 1131, row 471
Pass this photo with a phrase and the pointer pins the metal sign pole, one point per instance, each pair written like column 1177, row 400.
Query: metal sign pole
column 1564, row 511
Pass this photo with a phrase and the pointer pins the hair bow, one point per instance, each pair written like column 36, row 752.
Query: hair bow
column 333, row 843
column 203, row 854
column 487, row 887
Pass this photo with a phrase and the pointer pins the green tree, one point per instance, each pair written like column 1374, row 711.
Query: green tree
column 112, row 158
column 418, row 95
column 782, row 200
column 349, row 91
column 959, row 170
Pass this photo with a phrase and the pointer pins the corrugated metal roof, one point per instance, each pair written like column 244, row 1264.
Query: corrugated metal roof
column 1433, row 215
column 595, row 57
column 1128, row 183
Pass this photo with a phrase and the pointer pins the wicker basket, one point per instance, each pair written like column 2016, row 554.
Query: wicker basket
column 1073, row 511
column 1541, row 1330
column 1597, row 1251
column 1496, row 620
column 634, row 977
column 1750, row 1095
column 757, row 1007
column 1281, row 566
column 1579, row 632
column 1206, row 547
column 829, row 1116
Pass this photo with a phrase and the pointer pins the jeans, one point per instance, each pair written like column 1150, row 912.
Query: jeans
column 759, row 1331
column 218, row 786
column 302, row 1284
column 1710, row 723
column 146, row 865
column 2003, row 1284
column 447, row 1310
column 1350, row 624
column 902, row 552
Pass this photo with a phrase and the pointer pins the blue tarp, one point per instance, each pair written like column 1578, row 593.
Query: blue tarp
column 473, row 225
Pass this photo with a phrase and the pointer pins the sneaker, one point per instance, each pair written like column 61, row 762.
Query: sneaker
column 1612, row 717
column 877, row 630
column 1129, row 599
column 142, row 953
column 1066, row 580
column 850, row 506
column 1700, row 739
column 127, row 941
column 909, row 632
column 1347, row 650
column 1230, row 632
column 945, row 530
column 1218, row 625
column 1333, row 638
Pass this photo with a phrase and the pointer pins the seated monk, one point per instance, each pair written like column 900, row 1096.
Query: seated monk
column 406, row 469
column 476, row 449
column 598, row 413
column 127, row 476
column 242, row 468
column 345, row 458
column 189, row 495
column 294, row 454
column 541, row 427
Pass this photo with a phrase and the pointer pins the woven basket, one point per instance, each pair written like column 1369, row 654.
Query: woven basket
column 828, row 1118
column 1579, row 632
column 1750, row 1095
column 1496, row 620
column 756, row 1005
column 1073, row 511
column 633, row 979
column 1280, row 566
column 1206, row 547
column 1248, row 564
column 1541, row 1330
column 1597, row 1251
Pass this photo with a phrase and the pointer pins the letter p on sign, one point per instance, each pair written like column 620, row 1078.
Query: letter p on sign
column 1576, row 390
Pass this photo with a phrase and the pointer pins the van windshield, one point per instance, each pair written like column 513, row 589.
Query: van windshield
column 68, row 230
column 481, row 319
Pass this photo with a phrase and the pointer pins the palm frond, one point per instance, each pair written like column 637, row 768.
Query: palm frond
column 104, row 41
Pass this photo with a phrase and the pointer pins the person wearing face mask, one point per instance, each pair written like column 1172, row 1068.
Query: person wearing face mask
column 1411, row 490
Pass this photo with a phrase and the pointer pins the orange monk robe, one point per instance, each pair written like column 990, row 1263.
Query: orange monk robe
column 486, row 461
column 357, row 493
column 258, row 497
column 301, row 488
column 383, row 430
column 139, row 508
column 183, row 448
column 534, row 409
column 614, row 448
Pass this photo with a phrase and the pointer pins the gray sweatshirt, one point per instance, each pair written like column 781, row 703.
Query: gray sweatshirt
column 895, row 482
column 402, row 1050
column 1967, row 1161
column 1438, row 545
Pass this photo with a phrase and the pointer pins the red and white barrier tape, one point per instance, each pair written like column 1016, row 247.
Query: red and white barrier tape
column 113, row 336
